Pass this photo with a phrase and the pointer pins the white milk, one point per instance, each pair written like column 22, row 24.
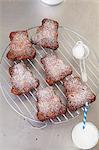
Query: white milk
column 52, row 2
column 85, row 138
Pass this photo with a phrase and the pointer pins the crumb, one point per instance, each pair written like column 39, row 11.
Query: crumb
column 57, row 134
column 36, row 139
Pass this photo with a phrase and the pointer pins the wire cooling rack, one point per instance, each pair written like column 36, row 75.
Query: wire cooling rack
column 25, row 105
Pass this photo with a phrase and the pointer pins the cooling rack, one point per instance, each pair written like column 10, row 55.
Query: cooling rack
column 25, row 105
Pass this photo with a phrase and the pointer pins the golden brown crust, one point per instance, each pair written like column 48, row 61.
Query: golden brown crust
column 20, row 46
column 51, row 115
column 17, row 90
column 50, row 81
column 77, row 93
column 11, row 55
column 49, row 106
column 47, row 34
column 11, row 71
column 12, row 34
column 55, row 22
column 74, row 107
column 60, row 70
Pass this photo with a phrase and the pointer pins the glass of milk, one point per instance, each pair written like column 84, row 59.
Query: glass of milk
column 52, row 2
column 85, row 138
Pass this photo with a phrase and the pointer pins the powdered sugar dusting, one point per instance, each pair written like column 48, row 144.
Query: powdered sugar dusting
column 46, row 33
column 20, row 44
column 55, row 67
column 48, row 101
column 77, row 92
column 22, row 77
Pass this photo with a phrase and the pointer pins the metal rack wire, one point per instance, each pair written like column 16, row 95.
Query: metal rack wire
column 25, row 105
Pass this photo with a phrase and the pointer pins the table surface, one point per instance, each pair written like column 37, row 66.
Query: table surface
column 80, row 15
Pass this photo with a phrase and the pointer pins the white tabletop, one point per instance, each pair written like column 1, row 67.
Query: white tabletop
column 80, row 15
